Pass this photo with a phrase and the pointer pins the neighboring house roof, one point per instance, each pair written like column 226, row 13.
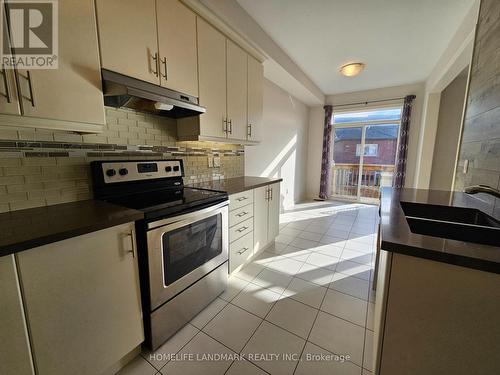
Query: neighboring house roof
column 381, row 132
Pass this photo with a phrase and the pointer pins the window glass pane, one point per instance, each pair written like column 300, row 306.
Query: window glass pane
column 346, row 157
column 345, row 148
column 365, row 116
column 380, row 144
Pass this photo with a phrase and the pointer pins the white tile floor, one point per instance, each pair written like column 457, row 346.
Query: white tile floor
column 305, row 298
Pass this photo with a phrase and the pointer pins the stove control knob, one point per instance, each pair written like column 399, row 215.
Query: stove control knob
column 123, row 171
column 110, row 172
column 168, row 169
column 176, row 168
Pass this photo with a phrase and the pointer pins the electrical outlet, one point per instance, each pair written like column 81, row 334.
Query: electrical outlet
column 210, row 162
column 216, row 161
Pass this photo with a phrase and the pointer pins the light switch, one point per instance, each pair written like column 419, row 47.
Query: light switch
column 216, row 161
column 466, row 166
column 210, row 162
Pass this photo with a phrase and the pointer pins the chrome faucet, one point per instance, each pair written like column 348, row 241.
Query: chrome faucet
column 482, row 189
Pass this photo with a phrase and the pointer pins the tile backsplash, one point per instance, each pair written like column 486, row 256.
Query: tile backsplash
column 41, row 167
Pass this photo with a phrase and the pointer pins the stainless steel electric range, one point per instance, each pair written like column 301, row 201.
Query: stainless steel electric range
column 182, row 240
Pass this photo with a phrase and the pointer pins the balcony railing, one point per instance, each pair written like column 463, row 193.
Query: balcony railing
column 345, row 180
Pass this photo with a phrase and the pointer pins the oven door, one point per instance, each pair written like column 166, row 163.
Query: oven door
column 184, row 248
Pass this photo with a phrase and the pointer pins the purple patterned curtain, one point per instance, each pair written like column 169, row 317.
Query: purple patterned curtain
column 400, row 173
column 326, row 158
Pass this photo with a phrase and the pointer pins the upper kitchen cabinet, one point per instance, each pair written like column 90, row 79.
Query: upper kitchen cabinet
column 212, row 86
column 230, row 87
column 212, row 79
column 128, row 38
column 236, row 91
column 151, row 40
column 177, row 46
column 9, row 100
column 69, row 96
column 255, row 98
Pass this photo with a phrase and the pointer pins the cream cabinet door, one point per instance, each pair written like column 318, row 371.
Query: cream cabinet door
column 177, row 46
column 212, row 79
column 255, row 98
column 274, row 211
column 260, row 216
column 236, row 91
column 128, row 38
column 72, row 92
column 15, row 353
column 82, row 301
column 9, row 102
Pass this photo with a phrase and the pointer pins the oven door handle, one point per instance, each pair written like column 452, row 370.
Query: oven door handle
column 191, row 216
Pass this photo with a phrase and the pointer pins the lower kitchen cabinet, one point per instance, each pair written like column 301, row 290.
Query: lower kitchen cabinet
column 261, row 217
column 82, row 301
column 15, row 353
column 266, row 215
column 253, row 222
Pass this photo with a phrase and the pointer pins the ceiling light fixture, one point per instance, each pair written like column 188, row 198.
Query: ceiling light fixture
column 352, row 69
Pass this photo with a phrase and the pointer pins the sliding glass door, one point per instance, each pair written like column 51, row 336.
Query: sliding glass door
column 364, row 153
column 346, row 162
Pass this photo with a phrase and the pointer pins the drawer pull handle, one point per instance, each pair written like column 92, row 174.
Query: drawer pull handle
column 244, row 250
column 242, row 199
column 242, row 214
column 242, row 229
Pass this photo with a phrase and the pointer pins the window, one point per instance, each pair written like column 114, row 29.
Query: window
column 370, row 150
column 393, row 114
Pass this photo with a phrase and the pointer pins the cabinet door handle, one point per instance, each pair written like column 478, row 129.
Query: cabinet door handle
column 164, row 62
column 132, row 245
column 6, row 84
column 244, row 250
column 241, row 214
column 156, row 64
column 30, row 88
column 242, row 229
column 242, row 199
column 249, row 132
column 230, row 126
column 268, row 195
column 224, row 125
column 271, row 194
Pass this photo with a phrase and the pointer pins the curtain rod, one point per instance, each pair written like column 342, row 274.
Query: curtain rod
column 369, row 101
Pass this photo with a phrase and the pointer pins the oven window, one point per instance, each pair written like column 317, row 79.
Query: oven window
column 188, row 247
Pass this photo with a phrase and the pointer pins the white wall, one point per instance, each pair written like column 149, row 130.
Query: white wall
column 278, row 66
column 283, row 148
column 448, row 133
column 454, row 59
column 316, row 118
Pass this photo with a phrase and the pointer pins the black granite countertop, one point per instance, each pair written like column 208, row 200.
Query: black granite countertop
column 25, row 229
column 397, row 237
column 236, row 184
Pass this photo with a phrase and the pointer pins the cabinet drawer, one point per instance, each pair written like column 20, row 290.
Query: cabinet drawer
column 240, row 230
column 240, row 251
column 240, row 214
column 240, row 199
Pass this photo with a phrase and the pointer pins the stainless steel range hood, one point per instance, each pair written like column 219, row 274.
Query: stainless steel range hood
column 128, row 92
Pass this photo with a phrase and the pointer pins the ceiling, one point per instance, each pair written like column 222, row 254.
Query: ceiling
column 400, row 41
